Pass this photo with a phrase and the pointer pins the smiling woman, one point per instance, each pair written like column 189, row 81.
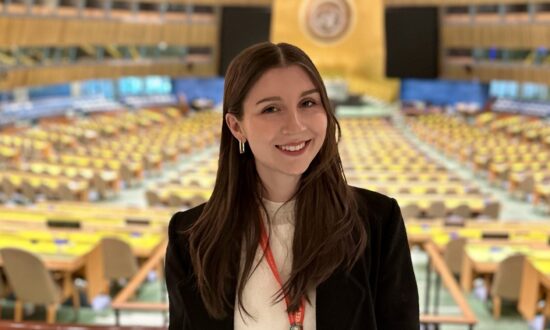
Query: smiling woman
column 284, row 122
column 284, row 241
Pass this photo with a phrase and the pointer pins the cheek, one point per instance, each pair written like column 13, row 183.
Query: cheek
column 258, row 132
column 320, row 126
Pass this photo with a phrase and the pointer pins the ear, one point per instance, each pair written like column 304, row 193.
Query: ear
column 235, row 127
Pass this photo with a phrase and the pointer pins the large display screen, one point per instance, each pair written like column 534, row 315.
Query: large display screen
column 504, row 89
column 158, row 85
column 103, row 88
column 131, row 86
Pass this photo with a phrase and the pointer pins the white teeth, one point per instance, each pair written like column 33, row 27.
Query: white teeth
column 293, row 148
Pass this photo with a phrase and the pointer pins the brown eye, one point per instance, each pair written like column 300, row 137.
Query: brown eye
column 308, row 103
column 270, row 109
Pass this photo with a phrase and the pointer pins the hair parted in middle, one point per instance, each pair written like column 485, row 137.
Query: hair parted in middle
column 328, row 230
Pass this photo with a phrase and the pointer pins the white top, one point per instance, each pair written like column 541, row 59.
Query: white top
column 260, row 291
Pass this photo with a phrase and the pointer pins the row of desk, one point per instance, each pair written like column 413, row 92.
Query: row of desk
column 488, row 244
column 66, row 235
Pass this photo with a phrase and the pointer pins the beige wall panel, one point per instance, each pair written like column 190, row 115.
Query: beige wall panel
column 467, row 37
column 524, row 40
column 488, row 72
column 153, row 34
column 482, row 73
column 462, row 36
column 176, row 34
column 32, row 31
column 130, row 33
column 53, row 75
column 451, row 2
column 244, row 3
column 492, row 35
column 444, row 37
column 456, row 36
column 507, row 35
column 541, row 75
column 203, row 34
column 539, row 35
column 5, row 36
column 75, row 32
column 453, row 72
column 196, row 35
column 234, row 2
column 486, row 35
column 66, row 32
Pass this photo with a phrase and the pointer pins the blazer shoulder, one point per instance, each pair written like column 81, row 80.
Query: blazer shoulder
column 183, row 220
column 374, row 202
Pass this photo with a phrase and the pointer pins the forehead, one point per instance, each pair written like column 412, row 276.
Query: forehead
column 284, row 81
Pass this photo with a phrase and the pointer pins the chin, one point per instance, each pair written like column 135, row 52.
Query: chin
column 295, row 171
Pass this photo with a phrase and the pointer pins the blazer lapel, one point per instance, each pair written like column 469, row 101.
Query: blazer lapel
column 339, row 301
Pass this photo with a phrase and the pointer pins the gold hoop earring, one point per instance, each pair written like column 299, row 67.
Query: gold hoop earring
column 242, row 148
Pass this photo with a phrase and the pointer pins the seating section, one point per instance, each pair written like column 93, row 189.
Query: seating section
column 511, row 151
column 378, row 157
column 65, row 167
column 375, row 156
column 94, row 158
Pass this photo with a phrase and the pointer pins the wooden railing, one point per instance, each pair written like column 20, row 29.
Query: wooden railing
column 467, row 317
column 122, row 300
column 443, row 273
column 7, row 325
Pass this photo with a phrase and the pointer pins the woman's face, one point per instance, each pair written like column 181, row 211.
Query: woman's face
column 284, row 122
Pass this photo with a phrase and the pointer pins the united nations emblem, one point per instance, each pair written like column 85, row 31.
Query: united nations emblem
column 327, row 20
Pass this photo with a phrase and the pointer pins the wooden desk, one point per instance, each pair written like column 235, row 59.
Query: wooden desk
column 65, row 264
column 483, row 259
column 10, row 325
column 68, row 253
column 519, row 232
column 94, row 266
column 476, row 203
column 535, row 280
column 97, row 217
column 541, row 193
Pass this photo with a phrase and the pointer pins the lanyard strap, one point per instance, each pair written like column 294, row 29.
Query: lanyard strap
column 295, row 318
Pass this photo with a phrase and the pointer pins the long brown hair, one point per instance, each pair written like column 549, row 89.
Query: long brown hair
column 328, row 231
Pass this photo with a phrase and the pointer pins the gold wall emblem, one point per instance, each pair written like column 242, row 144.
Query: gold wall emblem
column 327, row 20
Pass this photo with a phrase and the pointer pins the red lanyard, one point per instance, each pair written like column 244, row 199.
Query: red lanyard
column 295, row 318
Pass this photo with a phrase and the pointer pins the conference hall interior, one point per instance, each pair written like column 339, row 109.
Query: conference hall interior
column 111, row 116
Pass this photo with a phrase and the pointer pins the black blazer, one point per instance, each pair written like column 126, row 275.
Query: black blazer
column 379, row 293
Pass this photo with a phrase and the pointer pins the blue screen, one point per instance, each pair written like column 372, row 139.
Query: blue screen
column 130, row 86
column 103, row 88
column 63, row 90
column 532, row 91
column 504, row 89
column 442, row 92
column 6, row 97
column 158, row 85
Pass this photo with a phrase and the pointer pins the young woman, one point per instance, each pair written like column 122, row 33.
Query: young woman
column 284, row 242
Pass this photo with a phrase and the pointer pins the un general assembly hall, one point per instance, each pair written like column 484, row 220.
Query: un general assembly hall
column 274, row 164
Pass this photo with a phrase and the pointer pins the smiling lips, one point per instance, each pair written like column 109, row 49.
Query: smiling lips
column 293, row 148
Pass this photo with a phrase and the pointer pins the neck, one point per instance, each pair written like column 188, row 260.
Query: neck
column 278, row 187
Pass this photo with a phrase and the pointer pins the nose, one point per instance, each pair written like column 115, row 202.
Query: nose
column 294, row 122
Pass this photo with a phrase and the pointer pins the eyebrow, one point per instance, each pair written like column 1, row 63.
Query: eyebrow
column 277, row 98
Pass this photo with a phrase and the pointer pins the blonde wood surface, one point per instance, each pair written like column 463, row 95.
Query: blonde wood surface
column 529, row 293
column 534, row 283
column 18, row 312
column 51, row 311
